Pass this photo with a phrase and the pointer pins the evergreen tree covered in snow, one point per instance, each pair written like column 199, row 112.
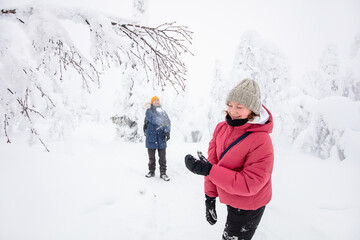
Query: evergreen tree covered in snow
column 263, row 62
column 326, row 80
column 140, row 9
column 331, row 78
column 130, row 102
column 351, row 86
column 352, row 77
column 329, row 95
column 355, row 48
column 328, row 127
column 218, row 93
column 329, row 71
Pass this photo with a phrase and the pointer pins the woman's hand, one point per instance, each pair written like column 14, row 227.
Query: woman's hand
column 197, row 166
column 211, row 215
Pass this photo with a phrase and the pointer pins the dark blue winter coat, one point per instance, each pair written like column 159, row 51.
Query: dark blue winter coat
column 157, row 124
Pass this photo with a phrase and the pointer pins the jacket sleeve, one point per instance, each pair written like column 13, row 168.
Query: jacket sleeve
column 149, row 116
column 168, row 123
column 210, row 188
column 255, row 173
column 145, row 125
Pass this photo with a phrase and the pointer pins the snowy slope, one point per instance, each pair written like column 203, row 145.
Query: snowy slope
column 93, row 187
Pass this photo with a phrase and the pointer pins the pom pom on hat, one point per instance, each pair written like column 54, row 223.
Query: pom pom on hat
column 247, row 93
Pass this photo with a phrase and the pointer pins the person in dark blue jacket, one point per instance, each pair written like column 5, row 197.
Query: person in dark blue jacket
column 157, row 128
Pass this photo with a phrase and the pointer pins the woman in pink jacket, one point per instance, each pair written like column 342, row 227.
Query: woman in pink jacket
column 240, row 162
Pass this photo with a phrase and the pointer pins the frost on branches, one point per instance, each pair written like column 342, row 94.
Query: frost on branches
column 38, row 57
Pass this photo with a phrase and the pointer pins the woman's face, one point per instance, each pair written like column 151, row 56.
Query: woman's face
column 237, row 110
column 156, row 103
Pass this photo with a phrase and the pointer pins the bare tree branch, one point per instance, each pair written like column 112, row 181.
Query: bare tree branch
column 161, row 49
column 6, row 125
column 34, row 132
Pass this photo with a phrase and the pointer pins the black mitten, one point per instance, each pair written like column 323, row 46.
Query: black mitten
column 211, row 216
column 197, row 166
column 167, row 136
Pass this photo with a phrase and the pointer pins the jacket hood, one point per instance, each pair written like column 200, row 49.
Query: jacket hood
column 262, row 123
column 262, row 118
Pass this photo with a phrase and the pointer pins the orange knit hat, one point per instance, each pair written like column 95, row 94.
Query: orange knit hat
column 153, row 99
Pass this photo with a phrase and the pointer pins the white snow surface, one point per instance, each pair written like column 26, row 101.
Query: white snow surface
column 93, row 186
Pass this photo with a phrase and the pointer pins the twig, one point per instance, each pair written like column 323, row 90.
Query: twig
column 33, row 131
column 6, row 124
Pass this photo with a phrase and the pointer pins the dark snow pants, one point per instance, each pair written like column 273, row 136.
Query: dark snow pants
column 241, row 224
column 162, row 160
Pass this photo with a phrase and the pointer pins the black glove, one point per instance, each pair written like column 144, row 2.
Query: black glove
column 200, row 167
column 167, row 136
column 211, row 216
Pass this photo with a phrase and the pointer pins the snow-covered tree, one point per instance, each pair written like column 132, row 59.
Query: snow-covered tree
column 38, row 58
column 130, row 103
column 326, row 80
column 329, row 94
column 352, row 77
column 329, row 71
column 328, row 125
column 130, row 100
column 329, row 79
column 355, row 47
column 140, row 10
column 261, row 61
column 219, row 89
column 351, row 86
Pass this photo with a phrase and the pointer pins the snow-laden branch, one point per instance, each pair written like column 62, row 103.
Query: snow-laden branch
column 158, row 48
column 51, row 54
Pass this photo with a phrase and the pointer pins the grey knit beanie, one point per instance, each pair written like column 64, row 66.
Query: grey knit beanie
column 247, row 93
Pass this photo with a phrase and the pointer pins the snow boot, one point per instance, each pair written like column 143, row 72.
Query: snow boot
column 164, row 177
column 150, row 174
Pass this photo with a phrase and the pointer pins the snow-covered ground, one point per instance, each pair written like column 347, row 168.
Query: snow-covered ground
column 92, row 186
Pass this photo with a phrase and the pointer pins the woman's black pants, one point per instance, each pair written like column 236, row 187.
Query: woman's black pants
column 241, row 224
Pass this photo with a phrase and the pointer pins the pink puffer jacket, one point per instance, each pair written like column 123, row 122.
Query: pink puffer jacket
column 242, row 178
